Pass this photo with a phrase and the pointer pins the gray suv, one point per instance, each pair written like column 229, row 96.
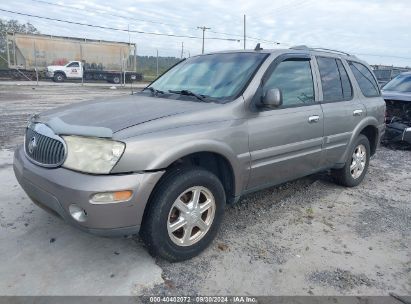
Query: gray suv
column 164, row 162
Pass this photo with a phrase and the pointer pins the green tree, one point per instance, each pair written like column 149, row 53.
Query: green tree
column 147, row 65
column 12, row 26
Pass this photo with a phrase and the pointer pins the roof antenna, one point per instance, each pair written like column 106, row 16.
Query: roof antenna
column 258, row 47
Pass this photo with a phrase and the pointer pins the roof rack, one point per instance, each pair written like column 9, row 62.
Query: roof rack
column 304, row 47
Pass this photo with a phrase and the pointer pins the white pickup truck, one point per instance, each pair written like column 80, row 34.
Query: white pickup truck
column 77, row 70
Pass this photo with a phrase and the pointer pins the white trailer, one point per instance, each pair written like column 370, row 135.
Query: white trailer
column 71, row 58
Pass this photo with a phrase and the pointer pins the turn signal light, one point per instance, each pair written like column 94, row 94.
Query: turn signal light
column 111, row 197
column 122, row 195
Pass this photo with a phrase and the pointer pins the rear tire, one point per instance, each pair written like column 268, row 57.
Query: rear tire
column 356, row 166
column 116, row 79
column 165, row 213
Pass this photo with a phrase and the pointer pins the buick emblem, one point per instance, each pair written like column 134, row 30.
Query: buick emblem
column 32, row 145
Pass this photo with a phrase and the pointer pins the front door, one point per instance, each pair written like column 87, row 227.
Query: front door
column 73, row 70
column 285, row 142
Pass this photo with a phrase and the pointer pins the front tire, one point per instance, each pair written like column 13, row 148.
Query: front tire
column 184, row 214
column 59, row 77
column 356, row 166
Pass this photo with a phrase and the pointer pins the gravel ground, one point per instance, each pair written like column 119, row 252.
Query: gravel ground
column 306, row 237
column 17, row 103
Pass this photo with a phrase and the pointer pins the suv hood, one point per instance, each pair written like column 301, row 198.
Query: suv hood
column 393, row 95
column 102, row 118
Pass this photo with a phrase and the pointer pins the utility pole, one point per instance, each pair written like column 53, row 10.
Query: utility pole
column 182, row 50
column 35, row 63
column 244, row 31
column 204, row 29
column 157, row 64
column 82, row 63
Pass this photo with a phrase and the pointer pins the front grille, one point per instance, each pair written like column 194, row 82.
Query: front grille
column 43, row 149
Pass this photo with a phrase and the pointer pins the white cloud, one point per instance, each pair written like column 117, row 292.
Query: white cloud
column 375, row 27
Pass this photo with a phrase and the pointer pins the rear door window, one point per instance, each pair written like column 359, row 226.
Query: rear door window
column 345, row 81
column 365, row 79
column 334, row 79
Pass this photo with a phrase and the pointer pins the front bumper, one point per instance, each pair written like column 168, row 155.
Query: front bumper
column 56, row 189
column 398, row 132
column 49, row 74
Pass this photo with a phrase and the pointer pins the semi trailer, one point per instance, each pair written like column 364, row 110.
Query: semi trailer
column 64, row 58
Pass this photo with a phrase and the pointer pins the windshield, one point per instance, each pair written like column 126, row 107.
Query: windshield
column 401, row 83
column 220, row 77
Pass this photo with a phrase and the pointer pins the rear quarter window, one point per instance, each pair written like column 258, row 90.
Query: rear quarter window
column 365, row 79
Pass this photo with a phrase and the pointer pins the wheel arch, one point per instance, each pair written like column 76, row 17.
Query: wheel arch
column 214, row 163
column 369, row 128
column 212, row 156
column 371, row 132
column 60, row 72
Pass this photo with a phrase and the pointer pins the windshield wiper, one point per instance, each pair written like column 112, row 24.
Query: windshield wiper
column 189, row 93
column 153, row 90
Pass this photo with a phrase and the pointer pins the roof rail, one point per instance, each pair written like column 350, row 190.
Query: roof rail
column 331, row 51
column 304, row 47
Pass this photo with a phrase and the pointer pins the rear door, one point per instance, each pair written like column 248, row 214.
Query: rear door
column 341, row 108
column 285, row 142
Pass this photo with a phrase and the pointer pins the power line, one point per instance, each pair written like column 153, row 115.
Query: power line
column 151, row 21
column 281, row 9
column 248, row 37
column 110, row 14
column 173, row 35
column 117, row 29
column 382, row 56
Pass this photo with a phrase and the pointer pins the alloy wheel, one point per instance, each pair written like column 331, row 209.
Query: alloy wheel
column 191, row 216
column 358, row 161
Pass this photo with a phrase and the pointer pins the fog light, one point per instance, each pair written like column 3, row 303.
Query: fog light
column 77, row 213
column 111, row 197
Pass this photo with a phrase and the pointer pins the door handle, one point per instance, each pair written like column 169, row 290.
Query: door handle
column 314, row 118
column 357, row 112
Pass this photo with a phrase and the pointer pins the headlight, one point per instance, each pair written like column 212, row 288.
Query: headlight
column 92, row 155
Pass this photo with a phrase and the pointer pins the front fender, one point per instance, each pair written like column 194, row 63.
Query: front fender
column 171, row 155
column 157, row 151
column 60, row 71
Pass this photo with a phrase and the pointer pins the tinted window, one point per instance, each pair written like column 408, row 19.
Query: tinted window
column 334, row 79
column 345, row 81
column 294, row 79
column 365, row 79
column 73, row 65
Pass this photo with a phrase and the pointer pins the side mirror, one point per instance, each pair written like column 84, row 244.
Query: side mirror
column 273, row 98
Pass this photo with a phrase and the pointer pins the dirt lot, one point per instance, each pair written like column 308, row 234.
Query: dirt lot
column 307, row 237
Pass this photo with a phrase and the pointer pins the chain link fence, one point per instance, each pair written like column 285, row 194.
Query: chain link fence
column 45, row 57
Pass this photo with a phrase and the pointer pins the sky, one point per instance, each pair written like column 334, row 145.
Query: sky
column 377, row 31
